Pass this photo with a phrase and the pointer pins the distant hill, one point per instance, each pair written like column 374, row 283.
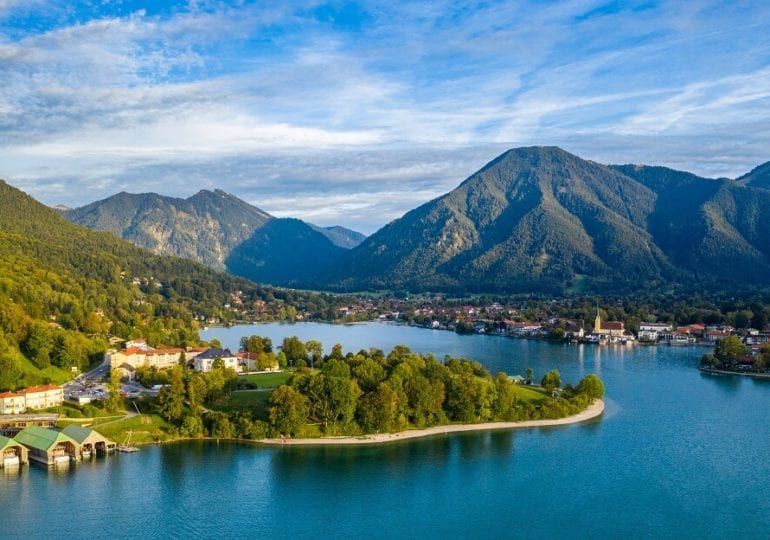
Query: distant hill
column 542, row 219
column 220, row 230
column 340, row 236
column 759, row 177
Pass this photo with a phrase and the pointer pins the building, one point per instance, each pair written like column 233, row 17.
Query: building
column 91, row 442
column 43, row 397
column 11, row 424
column 204, row 361
column 48, row 446
column 653, row 331
column 127, row 360
column 12, row 453
column 34, row 397
column 612, row 331
column 250, row 362
column 12, row 403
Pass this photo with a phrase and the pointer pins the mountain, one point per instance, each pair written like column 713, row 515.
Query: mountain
column 340, row 236
column 64, row 287
column 204, row 227
column 220, row 230
column 759, row 177
column 543, row 219
column 281, row 251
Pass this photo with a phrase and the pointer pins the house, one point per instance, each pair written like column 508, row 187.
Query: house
column 48, row 446
column 653, row 331
column 12, row 453
column 91, row 442
column 204, row 361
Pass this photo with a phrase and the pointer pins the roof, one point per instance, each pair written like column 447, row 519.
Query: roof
column 10, row 394
column 41, row 438
column 612, row 325
column 215, row 353
column 80, row 433
column 146, row 352
column 5, row 442
column 36, row 389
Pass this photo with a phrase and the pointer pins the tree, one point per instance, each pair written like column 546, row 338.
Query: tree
column 221, row 427
column 171, row 397
column 333, row 399
column 505, row 398
column 592, row 386
column 114, row 401
column 196, row 391
column 288, row 410
column 256, row 344
column 192, row 426
column 376, row 411
column 294, row 349
column 316, row 350
column 530, row 375
column 728, row 350
column 551, row 381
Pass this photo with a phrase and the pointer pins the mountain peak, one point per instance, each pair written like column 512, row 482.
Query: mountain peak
column 758, row 177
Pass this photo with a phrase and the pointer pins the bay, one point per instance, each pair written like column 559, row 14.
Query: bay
column 677, row 454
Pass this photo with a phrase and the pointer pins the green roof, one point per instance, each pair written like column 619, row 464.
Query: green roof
column 5, row 442
column 79, row 433
column 41, row 438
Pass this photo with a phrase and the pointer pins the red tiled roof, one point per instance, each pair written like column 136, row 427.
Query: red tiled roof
column 612, row 325
column 10, row 394
column 35, row 389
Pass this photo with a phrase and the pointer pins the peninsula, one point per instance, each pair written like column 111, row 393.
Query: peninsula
column 594, row 410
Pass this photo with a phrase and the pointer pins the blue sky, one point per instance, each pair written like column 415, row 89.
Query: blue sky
column 352, row 113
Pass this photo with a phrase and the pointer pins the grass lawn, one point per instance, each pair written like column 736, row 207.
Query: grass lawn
column 254, row 400
column 146, row 428
column 41, row 376
column 531, row 394
column 267, row 380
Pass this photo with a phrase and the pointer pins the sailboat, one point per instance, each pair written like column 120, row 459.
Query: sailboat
column 126, row 446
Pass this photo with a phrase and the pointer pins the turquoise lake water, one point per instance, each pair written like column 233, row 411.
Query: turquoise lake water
column 677, row 454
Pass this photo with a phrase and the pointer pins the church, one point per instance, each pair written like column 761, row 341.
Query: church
column 611, row 331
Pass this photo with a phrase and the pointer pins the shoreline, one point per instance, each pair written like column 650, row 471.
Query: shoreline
column 594, row 410
column 713, row 371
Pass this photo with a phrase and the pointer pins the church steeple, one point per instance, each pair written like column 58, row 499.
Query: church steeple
column 597, row 321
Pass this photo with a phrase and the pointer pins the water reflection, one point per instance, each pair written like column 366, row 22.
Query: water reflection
column 728, row 385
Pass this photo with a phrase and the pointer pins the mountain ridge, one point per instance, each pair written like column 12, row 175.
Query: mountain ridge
column 213, row 227
column 540, row 218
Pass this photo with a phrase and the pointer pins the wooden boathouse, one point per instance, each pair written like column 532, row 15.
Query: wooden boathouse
column 91, row 442
column 48, row 446
column 12, row 453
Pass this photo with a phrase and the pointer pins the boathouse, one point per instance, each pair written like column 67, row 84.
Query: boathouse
column 48, row 446
column 91, row 442
column 12, row 453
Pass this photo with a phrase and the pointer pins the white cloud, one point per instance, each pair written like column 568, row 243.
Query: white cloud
column 273, row 104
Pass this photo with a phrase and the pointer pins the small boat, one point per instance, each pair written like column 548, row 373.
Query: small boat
column 126, row 446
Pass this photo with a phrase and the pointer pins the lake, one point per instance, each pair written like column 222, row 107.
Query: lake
column 677, row 454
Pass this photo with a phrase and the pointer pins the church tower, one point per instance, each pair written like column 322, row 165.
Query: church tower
column 597, row 322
